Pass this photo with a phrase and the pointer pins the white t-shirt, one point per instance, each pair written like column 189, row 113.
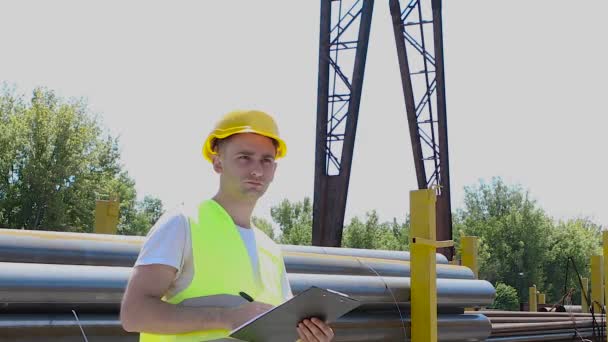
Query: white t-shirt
column 169, row 243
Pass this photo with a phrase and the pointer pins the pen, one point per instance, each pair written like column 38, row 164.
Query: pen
column 246, row 296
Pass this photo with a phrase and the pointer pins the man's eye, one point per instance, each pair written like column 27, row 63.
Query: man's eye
column 244, row 157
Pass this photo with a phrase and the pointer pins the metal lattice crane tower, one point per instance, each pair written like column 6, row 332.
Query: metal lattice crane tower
column 344, row 37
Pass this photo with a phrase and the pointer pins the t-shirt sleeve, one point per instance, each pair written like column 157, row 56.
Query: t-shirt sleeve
column 165, row 243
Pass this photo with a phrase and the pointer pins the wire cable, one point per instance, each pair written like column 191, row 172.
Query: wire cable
column 392, row 295
column 600, row 329
column 80, row 326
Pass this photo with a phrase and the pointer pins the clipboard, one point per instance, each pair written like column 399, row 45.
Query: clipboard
column 279, row 324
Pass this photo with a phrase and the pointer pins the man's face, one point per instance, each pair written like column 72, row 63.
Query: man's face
column 246, row 163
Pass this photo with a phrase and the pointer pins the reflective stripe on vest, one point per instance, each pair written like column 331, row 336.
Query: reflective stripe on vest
column 222, row 269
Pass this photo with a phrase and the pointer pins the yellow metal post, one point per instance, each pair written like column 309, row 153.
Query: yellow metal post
column 106, row 216
column 585, row 294
column 541, row 298
column 423, row 245
column 597, row 293
column 469, row 253
column 532, row 306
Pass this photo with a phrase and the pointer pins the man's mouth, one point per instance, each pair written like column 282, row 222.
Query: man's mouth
column 254, row 183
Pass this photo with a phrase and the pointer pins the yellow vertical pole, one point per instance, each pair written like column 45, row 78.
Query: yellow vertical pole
column 532, row 306
column 423, row 274
column 469, row 253
column 423, row 287
column 541, row 298
column 106, row 216
column 597, row 293
column 585, row 292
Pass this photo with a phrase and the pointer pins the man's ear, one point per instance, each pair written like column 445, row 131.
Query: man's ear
column 274, row 169
column 217, row 163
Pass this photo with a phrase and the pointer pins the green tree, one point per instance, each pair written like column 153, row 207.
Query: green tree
column 506, row 298
column 152, row 207
column 575, row 240
column 12, row 139
column 373, row 234
column 295, row 221
column 401, row 233
column 295, row 224
column 515, row 233
column 263, row 225
column 356, row 234
column 55, row 160
column 139, row 219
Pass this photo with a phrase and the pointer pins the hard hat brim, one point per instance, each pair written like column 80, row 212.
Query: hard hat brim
column 208, row 151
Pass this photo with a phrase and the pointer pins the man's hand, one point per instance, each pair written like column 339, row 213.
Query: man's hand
column 235, row 317
column 314, row 330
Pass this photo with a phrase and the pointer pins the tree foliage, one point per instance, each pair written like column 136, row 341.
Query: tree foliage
column 572, row 241
column 295, row 221
column 506, row 298
column 263, row 225
column 139, row 219
column 373, row 234
column 514, row 230
column 520, row 245
column 55, row 160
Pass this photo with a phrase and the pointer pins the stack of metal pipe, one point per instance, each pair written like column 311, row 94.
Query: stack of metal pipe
column 545, row 326
column 46, row 275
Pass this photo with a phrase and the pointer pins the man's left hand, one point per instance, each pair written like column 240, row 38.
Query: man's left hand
column 314, row 330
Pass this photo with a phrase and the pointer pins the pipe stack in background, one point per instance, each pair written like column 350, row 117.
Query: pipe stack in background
column 545, row 326
column 46, row 275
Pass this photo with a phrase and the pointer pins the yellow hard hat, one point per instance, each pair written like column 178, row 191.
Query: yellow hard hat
column 244, row 121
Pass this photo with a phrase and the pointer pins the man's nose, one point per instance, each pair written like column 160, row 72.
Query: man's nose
column 257, row 170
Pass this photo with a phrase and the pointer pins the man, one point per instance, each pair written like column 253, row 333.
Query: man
column 195, row 269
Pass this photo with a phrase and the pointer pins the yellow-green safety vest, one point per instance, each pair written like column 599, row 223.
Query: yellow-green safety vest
column 222, row 269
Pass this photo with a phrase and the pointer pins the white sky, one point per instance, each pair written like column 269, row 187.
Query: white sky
column 525, row 92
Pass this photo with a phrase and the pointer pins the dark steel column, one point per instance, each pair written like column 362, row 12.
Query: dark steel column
column 408, row 93
column 444, row 205
column 337, row 111
column 424, row 95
